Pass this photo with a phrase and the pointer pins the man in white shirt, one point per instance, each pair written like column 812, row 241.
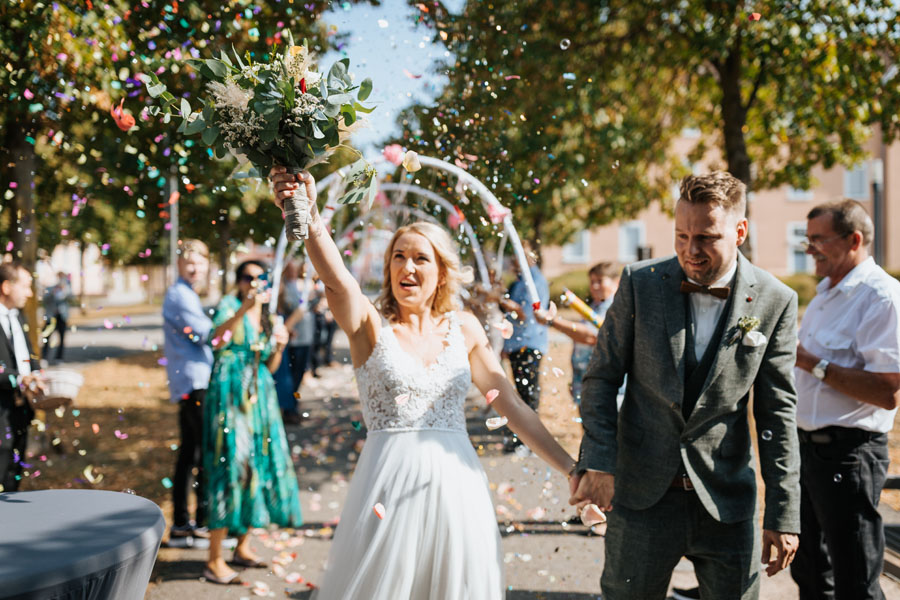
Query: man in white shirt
column 19, row 380
column 848, row 386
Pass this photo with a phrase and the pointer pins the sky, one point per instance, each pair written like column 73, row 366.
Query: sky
column 385, row 45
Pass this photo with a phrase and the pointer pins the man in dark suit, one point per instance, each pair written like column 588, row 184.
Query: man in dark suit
column 695, row 334
column 20, row 381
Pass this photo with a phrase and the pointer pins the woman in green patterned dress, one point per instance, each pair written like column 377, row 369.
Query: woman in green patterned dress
column 250, row 478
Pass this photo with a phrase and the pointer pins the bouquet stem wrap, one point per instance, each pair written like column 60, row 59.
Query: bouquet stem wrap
column 296, row 210
column 581, row 308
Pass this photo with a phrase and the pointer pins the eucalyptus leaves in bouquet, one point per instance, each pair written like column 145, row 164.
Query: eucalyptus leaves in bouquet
column 282, row 112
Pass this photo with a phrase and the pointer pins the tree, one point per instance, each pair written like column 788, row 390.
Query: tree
column 796, row 85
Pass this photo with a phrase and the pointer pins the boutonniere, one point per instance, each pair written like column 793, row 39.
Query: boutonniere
column 746, row 329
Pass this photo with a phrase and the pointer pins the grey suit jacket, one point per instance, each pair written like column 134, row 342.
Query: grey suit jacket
column 645, row 442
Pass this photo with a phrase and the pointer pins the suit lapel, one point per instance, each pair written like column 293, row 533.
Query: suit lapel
column 7, row 339
column 744, row 282
column 672, row 301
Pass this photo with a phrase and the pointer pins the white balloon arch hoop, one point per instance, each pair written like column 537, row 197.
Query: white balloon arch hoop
column 333, row 186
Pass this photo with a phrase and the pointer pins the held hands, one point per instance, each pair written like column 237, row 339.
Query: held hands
column 592, row 487
column 785, row 545
column 285, row 183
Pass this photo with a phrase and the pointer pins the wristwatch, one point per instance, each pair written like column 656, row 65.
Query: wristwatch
column 818, row 371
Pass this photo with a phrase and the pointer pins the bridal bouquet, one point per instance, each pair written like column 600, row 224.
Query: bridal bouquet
column 281, row 112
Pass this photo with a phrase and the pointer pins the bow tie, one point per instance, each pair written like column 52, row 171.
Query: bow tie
column 693, row 288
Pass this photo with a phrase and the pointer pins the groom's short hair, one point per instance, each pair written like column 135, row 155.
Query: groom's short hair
column 719, row 187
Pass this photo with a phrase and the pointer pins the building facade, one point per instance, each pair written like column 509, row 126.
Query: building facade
column 777, row 221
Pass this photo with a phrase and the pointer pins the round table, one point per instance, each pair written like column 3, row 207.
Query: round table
column 85, row 544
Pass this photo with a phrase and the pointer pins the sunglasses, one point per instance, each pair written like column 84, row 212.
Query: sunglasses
column 251, row 278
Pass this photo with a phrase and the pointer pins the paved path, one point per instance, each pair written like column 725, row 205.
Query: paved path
column 544, row 557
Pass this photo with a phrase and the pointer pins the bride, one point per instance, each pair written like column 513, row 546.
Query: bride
column 418, row 521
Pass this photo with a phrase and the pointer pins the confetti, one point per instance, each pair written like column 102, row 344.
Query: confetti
column 356, row 425
column 378, row 509
column 402, row 399
column 108, row 324
column 260, row 588
column 557, row 371
column 123, row 120
column 592, row 515
column 491, row 396
column 120, row 435
column 89, row 475
column 95, row 428
column 410, row 75
column 506, row 329
column 496, row 422
column 167, row 483
column 393, row 154
column 411, row 161
column 497, row 213
column 755, row 16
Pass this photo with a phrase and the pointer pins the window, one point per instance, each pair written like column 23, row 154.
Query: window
column 856, row 183
column 797, row 195
column 579, row 249
column 798, row 261
column 631, row 236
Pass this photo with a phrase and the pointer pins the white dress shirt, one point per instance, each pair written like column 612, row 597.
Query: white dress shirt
column 855, row 324
column 705, row 312
column 9, row 318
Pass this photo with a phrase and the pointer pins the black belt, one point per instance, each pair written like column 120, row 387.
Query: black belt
column 836, row 435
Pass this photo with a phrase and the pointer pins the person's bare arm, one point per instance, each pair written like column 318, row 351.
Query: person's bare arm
column 879, row 389
column 351, row 309
column 578, row 332
column 488, row 374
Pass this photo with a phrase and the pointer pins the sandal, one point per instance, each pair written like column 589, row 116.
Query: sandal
column 248, row 563
column 233, row 579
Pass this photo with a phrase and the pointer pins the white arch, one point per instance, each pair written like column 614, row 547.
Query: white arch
column 487, row 197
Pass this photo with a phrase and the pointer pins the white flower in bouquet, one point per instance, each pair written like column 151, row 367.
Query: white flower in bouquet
column 281, row 112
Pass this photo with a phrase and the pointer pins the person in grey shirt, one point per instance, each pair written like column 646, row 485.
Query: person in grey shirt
column 301, row 324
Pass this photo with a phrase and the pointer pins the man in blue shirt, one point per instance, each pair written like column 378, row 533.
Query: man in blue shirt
column 528, row 342
column 189, row 364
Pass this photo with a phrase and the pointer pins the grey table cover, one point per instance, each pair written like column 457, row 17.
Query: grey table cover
column 77, row 544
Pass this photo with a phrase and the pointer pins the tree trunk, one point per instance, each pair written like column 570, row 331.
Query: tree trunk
column 224, row 236
column 734, row 117
column 23, row 230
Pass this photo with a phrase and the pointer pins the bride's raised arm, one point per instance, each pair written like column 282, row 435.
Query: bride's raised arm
column 351, row 308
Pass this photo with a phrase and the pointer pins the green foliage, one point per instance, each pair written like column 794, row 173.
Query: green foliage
column 577, row 281
column 570, row 109
column 281, row 112
column 804, row 284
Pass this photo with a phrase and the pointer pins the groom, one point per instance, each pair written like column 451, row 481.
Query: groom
column 695, row 334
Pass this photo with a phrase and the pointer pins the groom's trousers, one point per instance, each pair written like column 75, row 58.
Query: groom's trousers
column 644, row 546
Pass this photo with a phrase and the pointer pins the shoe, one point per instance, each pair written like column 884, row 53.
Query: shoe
column 290, row 418
column 689, row 594
column 182, row 531
column 233, row 579
column 248, row 563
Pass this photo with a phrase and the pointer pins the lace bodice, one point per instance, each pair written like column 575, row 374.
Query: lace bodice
column 398, row 392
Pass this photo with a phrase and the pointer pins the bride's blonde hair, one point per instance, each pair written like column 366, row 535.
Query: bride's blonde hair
column 454, row 274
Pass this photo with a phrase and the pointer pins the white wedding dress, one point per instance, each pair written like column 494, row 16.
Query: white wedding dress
column 438, row 539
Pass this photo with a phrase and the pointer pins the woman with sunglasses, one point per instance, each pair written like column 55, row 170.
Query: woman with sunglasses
column 250, row 478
